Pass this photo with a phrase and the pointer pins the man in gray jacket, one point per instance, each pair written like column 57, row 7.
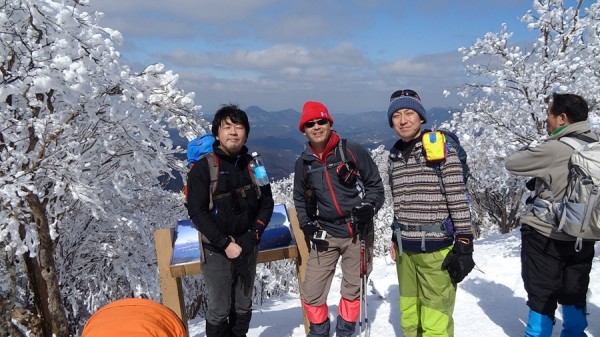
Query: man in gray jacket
column 553, row 272
column 337, row 190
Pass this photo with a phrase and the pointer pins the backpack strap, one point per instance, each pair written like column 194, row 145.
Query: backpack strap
column 452, row 141
column 574, row 141
column 213, row 169
column 439, row 228
column 581, row 136
column 438, row 171
column 341, row 149
column 394, row 152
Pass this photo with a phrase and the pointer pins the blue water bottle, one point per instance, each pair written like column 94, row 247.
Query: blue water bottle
column 259, row 169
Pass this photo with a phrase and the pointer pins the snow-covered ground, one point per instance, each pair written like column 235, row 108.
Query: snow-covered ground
column 490, row 301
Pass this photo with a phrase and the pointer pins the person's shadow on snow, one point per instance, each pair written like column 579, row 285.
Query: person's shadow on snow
column 374, row 301
column 278, row 322
column 499, row 304
column 510, row 312
column 393, row 298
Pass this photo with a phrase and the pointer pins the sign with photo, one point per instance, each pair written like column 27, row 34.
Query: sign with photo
column 187, row 247
column 278, row 233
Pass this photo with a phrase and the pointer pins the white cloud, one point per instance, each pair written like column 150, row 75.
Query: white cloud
column 276, row 56
column 348, row 51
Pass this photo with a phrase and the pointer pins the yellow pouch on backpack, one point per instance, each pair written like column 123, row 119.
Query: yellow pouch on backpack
column 434, row 146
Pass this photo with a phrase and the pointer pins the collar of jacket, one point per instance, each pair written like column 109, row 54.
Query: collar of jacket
column 575, row 128
column 222, row 155
column 558, row 130
column 402, row 148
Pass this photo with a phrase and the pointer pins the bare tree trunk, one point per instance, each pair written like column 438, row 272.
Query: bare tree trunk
column 43, row 276
column 503, row 207
column 7, row 304
column 5, row 323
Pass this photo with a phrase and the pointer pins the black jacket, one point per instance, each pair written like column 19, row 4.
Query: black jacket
column 234, row 214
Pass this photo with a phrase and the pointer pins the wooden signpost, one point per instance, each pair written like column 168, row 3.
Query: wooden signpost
column 170, row 275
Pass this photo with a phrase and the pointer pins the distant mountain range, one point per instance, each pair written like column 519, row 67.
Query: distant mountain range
column 275, row 134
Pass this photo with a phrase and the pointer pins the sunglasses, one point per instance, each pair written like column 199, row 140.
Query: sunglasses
column 405, row 92
column 310, row 124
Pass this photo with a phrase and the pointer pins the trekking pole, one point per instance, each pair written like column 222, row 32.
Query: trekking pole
column 365, row 292
column 360, row 307
column 363, row 312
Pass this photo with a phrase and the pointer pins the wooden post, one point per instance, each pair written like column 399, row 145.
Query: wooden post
column 301, row 260
column 170, row 287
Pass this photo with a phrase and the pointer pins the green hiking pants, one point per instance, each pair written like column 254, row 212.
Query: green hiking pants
column 427, row 294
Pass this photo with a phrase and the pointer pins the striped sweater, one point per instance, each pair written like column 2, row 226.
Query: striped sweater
column 418, row 200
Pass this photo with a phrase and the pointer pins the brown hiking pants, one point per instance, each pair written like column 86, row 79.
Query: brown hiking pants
column 321, row 268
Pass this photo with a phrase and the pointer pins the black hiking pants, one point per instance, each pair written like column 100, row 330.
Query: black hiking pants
column 553, row 272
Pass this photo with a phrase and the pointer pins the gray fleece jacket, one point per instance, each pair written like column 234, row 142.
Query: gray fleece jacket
column 548, row 164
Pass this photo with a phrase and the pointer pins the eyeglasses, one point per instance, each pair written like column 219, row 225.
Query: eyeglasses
column 310, row 124
column 405, row 92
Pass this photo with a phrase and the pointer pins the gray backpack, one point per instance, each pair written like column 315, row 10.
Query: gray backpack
column 579, row 210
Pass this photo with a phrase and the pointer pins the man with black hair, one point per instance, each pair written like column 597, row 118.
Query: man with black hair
column 553, row 272
column 337, row 191
column 230, row 229
column 432, row 237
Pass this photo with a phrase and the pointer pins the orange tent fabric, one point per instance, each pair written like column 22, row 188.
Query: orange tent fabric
column 134, row 317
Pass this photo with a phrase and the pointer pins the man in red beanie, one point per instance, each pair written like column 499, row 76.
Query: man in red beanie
column 337, row 191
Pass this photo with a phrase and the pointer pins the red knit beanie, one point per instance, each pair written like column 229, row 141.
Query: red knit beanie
column 313, row 110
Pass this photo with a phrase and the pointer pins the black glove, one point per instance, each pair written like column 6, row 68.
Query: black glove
column 530, row 184
column 310, row 202
column 258, row 229
column 248, row 242
column 363, row 215
column 309, row 230
column 459, row 261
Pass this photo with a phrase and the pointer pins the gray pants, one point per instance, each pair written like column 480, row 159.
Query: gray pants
column 226, row 295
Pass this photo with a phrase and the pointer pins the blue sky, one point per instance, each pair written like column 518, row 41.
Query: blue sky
column 350, row 55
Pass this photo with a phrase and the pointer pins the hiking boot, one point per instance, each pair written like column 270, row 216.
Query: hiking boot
column 319, row 330
column 574, row 321
column 344, row 328
column 538, row 325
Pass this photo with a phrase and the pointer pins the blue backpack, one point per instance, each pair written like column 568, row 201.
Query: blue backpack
column 199, row 147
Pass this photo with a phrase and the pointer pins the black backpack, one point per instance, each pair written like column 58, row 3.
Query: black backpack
column 453, row 141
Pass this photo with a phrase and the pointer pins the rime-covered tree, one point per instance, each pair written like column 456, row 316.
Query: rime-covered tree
column 83, row 148
column 510, row 81
column 383, row 218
